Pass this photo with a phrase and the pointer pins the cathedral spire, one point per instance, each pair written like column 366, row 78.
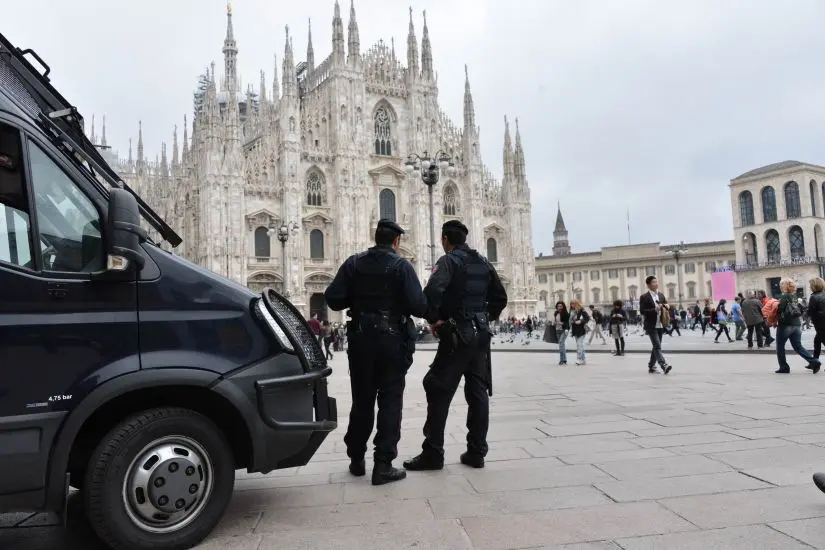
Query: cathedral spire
column 130, row 152
column 140, row 159
column 353, row 40
column 518, row 158
column 92, row 136
column 185, row 152
column 338, row 53
column 230, row 53
column 275, row 90
column 290, row 82
column 164, row 162
column 175, row 151
column 310, row 51
column 103, row 134
column 412, row 50
column 469, row 108
column 426, row 52
column 262, row 95
column 507, row 182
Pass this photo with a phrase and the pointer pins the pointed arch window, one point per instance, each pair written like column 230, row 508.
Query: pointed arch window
column 769, row 204
column 316, row 244
column 386, row 204
column 772, row 249
column 492, row 250
column 262, row 243
column 383, row 143
column 812, row 188
column 796, row 240
column 746, row 208
column 315, row 189
column 450, row 200
column 793, row 206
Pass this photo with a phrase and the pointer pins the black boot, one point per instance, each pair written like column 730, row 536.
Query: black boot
column 357, row 467
column 424, row 462
column 383, row 473
column 472, row 460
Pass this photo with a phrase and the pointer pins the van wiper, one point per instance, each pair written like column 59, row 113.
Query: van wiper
column 62, row 122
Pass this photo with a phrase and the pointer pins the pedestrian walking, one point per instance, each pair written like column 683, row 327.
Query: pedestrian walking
column 736, row 317
column 790, row 328
column 382, row 291
column 653, row 307
column 598, row 321
column 816, row 311
column 618, row 326
column 754, row 321
column 464, row 293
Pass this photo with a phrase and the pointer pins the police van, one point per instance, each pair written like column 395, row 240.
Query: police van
column 127, row 372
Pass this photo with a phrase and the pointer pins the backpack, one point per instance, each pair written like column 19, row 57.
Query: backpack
column 791, row 311
column 770, row 311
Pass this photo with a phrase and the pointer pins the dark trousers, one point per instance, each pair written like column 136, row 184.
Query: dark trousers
column 377, row 369
column 818, row 338
column 760, row 334
column 656, row 356
column 722, row 327
column 792, row 334
column 440, row 384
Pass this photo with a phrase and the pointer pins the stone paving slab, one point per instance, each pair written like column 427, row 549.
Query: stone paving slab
column 719, row 454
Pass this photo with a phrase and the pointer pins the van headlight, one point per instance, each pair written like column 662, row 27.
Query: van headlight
column 277, row 330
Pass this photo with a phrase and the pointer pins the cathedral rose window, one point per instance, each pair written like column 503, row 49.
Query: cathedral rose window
column 450, row 200
column 314, row 189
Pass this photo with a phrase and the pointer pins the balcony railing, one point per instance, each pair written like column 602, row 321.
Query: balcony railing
column 752, row 263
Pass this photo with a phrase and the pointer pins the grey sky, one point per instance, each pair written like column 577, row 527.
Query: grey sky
column 629, row 103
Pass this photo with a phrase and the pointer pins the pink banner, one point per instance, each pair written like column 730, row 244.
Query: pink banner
column 724, row 285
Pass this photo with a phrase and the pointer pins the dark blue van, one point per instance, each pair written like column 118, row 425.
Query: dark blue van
column 126, row 372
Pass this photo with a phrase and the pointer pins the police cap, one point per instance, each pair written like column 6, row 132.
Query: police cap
column 384, row 223
column 454, row 225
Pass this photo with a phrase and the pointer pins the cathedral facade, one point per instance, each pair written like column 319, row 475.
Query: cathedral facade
column 319, row 156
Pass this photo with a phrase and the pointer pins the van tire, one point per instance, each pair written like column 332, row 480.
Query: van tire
column 113, row 502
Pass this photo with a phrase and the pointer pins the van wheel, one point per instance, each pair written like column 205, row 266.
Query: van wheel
column 161, row 479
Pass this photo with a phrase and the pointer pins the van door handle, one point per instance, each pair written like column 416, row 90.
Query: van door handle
column 57, row 290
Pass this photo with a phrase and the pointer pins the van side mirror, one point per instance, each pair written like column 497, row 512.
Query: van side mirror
column 123, row 231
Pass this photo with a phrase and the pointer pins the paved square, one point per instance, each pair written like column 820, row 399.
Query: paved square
column 717, row 455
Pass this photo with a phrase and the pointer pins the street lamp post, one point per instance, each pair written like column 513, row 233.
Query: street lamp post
column 283, row 232
column 678, row 252
column 430, row 169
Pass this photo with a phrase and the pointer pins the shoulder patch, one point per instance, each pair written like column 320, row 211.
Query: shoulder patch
column 435, row 268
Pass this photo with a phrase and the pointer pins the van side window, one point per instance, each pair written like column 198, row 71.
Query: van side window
column 15, row 228
column 70, row 226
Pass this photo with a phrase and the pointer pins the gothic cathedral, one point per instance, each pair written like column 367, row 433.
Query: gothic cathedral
column 319, row 157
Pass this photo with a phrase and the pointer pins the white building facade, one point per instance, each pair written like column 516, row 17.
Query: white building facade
column 322, row 152
column 778, row 218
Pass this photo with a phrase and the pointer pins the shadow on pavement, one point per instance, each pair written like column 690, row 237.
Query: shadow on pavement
column 77, row 535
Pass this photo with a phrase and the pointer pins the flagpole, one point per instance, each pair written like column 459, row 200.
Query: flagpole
column 628, row 226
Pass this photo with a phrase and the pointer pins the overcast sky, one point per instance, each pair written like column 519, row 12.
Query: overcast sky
column 640, row 104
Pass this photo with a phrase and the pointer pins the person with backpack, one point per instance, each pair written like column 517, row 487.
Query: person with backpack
column 789, row 328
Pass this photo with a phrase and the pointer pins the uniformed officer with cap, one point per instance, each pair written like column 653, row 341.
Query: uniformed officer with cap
column 382, row 291
column 464, row 294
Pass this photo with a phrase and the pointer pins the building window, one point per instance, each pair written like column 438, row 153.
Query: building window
column 450, row 200
column 262, row 249
column 650, row 270
column 315, row 189
column 710, row 289
column 594, row 275
column 671, row 291
column 773, row 251
column 691, row 288
column 746, row 208
column 614, row 293
column 632, row 292
column 690, row 267
column 577, row 276
column 812, row 187
column 749, row 245
column 793, row 207
column 710, row 267
column 596, row 295
column 613, row 274
column 492, row 250
column 316, row 244
column 383, row 144
column 386, row 204
column 543, row 278
column 768, row 204
column 559, row 277
column 797, row 242
column 631, row 271
column 670, row 269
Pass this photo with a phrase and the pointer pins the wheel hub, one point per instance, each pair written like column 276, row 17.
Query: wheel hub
column 168, row 484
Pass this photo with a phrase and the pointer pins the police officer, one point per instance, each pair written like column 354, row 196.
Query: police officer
column 382, row 291
column 464, row 294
